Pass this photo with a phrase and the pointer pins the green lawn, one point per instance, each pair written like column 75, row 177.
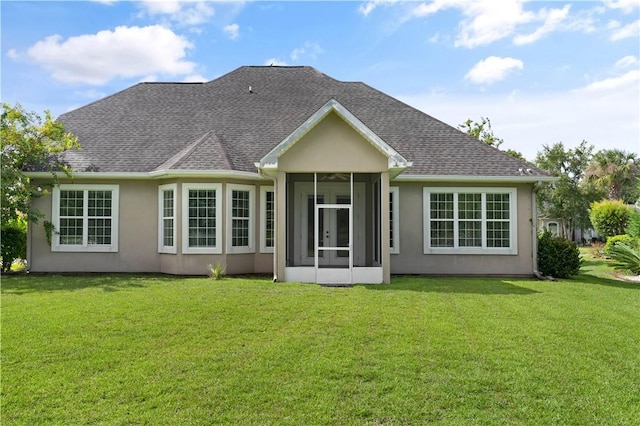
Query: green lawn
column 163, row 350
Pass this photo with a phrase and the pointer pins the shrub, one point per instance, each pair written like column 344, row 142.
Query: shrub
column 625, row 257
column 216, row 271
column 609, row 217
column 13, row 243
column 633, row 228
column 611, row 241
column 557, row 256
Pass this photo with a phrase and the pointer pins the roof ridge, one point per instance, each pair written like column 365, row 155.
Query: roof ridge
column 184, row 152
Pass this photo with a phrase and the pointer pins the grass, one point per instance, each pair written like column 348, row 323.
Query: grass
column 242, row 351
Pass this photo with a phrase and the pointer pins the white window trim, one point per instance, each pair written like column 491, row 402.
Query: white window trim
column 394, row 193
column 217, row 249
column 513, row 221
column 263, row 219
column 229, row 219
column 85, row 247
column 161, row 247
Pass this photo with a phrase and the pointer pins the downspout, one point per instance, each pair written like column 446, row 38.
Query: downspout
column 275, row 230
column 29, row 244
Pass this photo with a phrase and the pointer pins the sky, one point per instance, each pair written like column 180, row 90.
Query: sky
column 542, row 72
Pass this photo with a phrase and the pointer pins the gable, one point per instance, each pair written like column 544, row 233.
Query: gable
column 342, row 124
column 332, row 146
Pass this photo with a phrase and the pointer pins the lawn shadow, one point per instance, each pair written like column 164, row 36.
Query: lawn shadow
column 473, row 285
column 32, row 283
column 598, row 271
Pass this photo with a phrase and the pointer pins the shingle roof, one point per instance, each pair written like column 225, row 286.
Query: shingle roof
column 222, row 125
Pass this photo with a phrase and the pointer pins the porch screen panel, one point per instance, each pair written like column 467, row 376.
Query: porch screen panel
column 202, row 218
column 311, row 239
column 342, row 225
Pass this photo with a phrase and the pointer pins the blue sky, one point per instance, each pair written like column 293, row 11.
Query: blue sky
column 543, row 72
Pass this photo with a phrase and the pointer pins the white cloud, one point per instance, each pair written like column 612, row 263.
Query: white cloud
column 605, row 113
column 629, row 30
column 13, row 54
column 614, row 83
column 626, row 6
column 92, row 94
column 487, row 21
column 125, row 52
column 552, row 20
column 194, row 78
column 627, row 62
column 275, row 62
column 184, row 12
column 367, row 7
column 232, row 31
column 151, row 78
column 310, row 49
column 493, row 69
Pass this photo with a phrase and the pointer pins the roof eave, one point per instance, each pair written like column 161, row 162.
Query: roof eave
column 156, row 174
column 474, row 179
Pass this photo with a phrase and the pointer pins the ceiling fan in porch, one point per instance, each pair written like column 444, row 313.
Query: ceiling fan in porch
column 336, row 176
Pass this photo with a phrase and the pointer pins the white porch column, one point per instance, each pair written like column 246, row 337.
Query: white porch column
column 384, row 237
column 280, row 249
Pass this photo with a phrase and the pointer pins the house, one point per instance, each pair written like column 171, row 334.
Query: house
column 282, row 170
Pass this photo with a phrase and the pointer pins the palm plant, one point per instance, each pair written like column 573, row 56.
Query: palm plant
column 616, row 172
column 625, row 257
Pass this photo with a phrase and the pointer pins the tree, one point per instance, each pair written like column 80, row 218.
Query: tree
column 569, row 198
column 616, row 172
column 28, row 143
column 483, row 132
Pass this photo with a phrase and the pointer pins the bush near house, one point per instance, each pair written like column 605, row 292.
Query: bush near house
column 13, row 242
column 557, row 256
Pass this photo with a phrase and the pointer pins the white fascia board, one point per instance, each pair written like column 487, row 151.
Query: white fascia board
column 206, row 173
column 90, row 175
column 158, row 174
column 395, row 159
column 474, row 179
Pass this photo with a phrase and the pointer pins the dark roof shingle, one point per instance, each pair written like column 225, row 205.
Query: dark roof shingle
column 222, row 125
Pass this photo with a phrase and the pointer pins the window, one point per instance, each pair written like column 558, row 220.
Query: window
column 268, row 219
column 394, row 220
column 85, row 218
column 201, row 217
column 167, row 218
column 240, row 199
column 470, row 220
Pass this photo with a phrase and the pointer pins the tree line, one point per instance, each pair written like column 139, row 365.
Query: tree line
column 585, row 176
